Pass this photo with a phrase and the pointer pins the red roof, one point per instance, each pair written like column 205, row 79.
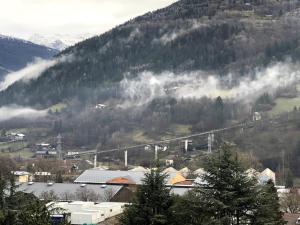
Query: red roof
column 120, row 180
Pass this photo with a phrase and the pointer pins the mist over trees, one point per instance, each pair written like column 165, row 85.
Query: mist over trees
column 215, row 36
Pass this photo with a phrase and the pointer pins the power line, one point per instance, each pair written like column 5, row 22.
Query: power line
column 163, row 141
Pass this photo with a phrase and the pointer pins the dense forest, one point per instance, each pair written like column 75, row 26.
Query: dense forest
column 215, row 37
column 218, row 36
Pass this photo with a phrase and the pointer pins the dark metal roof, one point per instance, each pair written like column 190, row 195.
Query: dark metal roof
column 60, row 189
column 96, row 176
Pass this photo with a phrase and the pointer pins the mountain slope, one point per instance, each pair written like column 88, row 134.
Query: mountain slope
column 16, row 53
column 51, row 42
column 216, row 36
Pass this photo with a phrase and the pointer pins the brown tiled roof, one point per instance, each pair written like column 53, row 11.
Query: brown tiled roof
column 120, row 180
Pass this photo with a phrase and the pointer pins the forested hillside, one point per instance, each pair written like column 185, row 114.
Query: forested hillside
column 16, row 53
column 215, row 36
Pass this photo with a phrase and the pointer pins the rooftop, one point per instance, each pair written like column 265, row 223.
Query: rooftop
column 96, row 176
column 60, row 189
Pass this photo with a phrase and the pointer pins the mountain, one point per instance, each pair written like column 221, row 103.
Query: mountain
column 58, row 41
column 51, row 42
column 15, row 53
column 3, row 71
column 215, row 36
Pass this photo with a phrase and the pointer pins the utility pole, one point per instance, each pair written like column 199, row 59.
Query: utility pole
column 59, row 147
column 283, row 167
column 186, row 144
column 209, row 144
column 95, row 160
column 156, row 152
column 125, row 157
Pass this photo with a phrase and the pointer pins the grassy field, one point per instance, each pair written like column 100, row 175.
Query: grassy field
column 13, row 145
column 19, row 149
column 284, row 105
column 175, row 131
column 25, row 153
column 140, row 137
column 18, row 130
column 58, row 107
column 178, row 129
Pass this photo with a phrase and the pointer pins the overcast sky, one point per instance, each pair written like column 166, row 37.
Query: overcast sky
column 23, row 18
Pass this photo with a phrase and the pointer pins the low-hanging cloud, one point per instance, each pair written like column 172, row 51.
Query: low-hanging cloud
column 14, row 111
column 31, row 71
column 148, row 86
column 171, row 36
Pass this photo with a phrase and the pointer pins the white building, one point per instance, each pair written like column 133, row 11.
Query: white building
column 256, row 116
column 86, row 212
column 266, row 175
column 169, row 162
column 17, row 136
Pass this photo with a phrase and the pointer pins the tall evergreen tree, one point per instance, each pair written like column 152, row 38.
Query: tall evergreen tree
column 219, row 111
column 35, row 213
column 229, row 189
column 193, row 209
column 152, row 204
column 267, row 211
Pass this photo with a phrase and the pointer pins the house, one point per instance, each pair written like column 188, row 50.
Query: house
column 252, row 173
column 42, row 174
column 185, row 171
column 199, row 172
column 22, row 176
column 122, row 177
column 267, row 175
column 45, row 150
column 17, row 136
column 169, row 162
column 85, row 212
column 43, row 147
column 256, row 116
column 100, row 106
column 170, row 170
column 46, row 154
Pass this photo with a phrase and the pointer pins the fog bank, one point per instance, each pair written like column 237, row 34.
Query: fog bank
column 148, row 86
column 14, row 111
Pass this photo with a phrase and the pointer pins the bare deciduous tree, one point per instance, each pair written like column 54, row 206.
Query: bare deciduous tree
column 290, row 202
column 67, row 196
column 108, row 195
column 49, row 196
column 85, row 194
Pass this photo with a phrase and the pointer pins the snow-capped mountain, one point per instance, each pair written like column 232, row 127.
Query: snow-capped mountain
column 58, row 41
column 17, row 53
column 50, row 42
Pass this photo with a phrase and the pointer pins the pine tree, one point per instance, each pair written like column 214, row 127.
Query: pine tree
column 153, row 202
column 219, row 111
column 193, row 209
column 268, row 208
column 35, row 213
column 228, row 188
